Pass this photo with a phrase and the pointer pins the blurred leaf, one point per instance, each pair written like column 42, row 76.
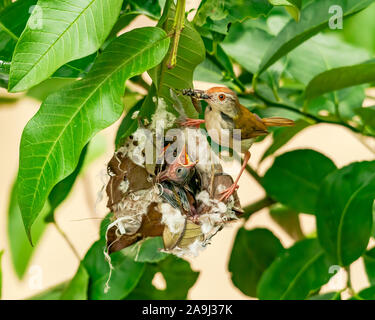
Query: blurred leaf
column 190, row 53
column 124, row 19
column 344, row 211
column 295, row 273
column 150, row 8
column 340, row 78
column 76, row 68
column 42, row 90
column 125, row 275
column 252, row 253
column 292, row 6
column 367, row 116
column 178, row 275
column 1, row 273
column 288, row 220
column 69, row 29
column 208, row 71
column 21, row 250
column 314, row 18
column 246, row 44
column 61, row 190
column 327, row 296
column 319, row 54
column 147, row 250
column 69, row 118
column 128, row 125
column 12, row 22
column 216, row 15
column 77, row 287
column 359, row 29
column 4, row 3
column 365, row 294
column 369, row 260
column 53, row 293
column 281, row 136
column 295, row 177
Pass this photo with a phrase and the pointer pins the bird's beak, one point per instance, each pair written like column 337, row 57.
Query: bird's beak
column 162, row 176
column 201, row 94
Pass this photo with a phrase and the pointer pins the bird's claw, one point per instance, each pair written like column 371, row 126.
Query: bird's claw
column 228, row 192
column 191, row 123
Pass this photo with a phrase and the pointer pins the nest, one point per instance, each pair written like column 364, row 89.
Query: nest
column 187, row 215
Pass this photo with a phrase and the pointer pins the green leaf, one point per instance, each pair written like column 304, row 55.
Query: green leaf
column 13, row 20
column 288, row 220
column 314, row 18
column 208, row 71
column 253, row 252
column 366, row 294
column 295, row 177
column 292, row 6
column 53, row 293
column 58, row 32
column 53, row 139
column 367, row 116
column 61, row 190
column 190, row 53
column 295, row 273
column 216, row 15
column 319, row 54
column 369, row 260
column 125, row 275
column 327, row 296
column 128, row 125
column 1, row 274
column 340, row 78
column 281, row 136
column 21, row 250
column 147, row 250
column 178, row 275
column 344, row 211
column 77, row 287
column 4, row 3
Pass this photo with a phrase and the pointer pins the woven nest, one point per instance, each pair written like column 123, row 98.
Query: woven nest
column 141, row 210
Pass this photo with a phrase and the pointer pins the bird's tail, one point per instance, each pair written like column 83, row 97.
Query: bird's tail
column 278, row 122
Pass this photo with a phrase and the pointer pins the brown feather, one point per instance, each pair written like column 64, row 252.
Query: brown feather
column 250, row 124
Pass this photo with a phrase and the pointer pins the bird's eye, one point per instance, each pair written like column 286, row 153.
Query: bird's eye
column 221, row 97
column 179, row 170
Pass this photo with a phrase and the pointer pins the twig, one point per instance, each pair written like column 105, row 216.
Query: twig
column 177, row 27
column 62, row 233
column 254, row 174
column 305, row 114
column 349, row 282
column 257, row 206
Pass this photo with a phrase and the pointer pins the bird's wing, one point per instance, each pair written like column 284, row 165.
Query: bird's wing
column 250, row 124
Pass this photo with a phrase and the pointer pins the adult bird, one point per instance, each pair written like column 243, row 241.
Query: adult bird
column 223, row 115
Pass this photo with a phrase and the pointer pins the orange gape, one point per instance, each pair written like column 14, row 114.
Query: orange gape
column 224, row 113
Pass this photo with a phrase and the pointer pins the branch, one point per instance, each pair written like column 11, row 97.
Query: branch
column 257, row 206
column 62, row 233
column 305, row 114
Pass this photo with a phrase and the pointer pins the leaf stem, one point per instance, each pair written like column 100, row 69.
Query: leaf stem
column 257, row 206
column 178, row 25
column 349, row 282
column 70, row 244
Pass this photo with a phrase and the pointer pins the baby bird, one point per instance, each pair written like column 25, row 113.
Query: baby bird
column 175, row 182
column 223, row 115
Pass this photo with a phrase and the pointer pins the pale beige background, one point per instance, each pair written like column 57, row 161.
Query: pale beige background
column 58, row 263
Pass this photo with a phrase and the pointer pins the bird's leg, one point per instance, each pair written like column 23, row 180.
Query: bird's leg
column 228, row 192
column 191, row 122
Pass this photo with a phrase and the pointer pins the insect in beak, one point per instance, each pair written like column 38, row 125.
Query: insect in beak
column 198, row 94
